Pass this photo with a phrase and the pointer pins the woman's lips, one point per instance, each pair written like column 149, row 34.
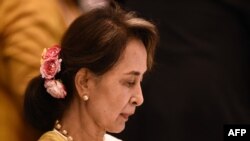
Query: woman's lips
column 125, row 116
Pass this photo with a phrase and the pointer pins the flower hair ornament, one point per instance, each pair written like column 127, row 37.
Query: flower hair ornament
column 50, row 66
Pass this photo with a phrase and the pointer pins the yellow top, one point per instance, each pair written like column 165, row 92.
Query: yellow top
column 54, row 135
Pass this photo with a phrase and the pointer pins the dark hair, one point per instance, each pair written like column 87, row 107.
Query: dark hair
column 95, row 40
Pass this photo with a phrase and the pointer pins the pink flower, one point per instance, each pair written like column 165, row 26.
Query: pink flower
column 50, row 67
column 50, row 64
column 51, row 53
column 55, row 88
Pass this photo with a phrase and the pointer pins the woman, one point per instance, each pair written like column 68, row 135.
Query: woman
column 91, row 85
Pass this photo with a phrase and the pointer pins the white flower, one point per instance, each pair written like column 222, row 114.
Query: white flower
column 55, row 88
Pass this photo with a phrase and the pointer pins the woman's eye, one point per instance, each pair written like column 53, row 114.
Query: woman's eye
column 130, row 83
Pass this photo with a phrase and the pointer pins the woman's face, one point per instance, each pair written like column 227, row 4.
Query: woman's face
column 115, row 95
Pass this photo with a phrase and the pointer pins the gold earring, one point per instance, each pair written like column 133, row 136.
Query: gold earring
column 85, row 97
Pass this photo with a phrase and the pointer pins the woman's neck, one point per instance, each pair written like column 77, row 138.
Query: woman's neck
column 79, row 125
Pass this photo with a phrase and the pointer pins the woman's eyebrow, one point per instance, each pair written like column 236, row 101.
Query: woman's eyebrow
column 136, row 73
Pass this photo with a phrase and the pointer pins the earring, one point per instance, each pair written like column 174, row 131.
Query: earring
column 85, row 97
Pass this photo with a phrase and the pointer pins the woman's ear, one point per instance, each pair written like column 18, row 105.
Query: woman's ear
column 81, row 81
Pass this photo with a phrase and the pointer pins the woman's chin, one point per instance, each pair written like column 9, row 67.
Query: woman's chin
column 117, row 129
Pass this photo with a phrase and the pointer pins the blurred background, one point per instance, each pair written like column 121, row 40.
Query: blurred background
column 200, row 81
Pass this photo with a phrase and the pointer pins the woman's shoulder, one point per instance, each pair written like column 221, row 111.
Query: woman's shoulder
column 52, row 136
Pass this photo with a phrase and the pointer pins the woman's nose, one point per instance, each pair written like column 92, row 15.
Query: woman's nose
column 137, row 98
